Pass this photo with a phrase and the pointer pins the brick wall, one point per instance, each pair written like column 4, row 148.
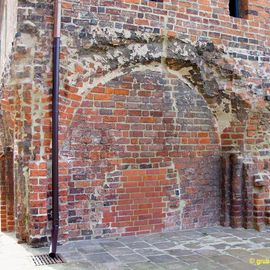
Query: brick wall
column 7, row 192
column 185, row 72
column 132, row 144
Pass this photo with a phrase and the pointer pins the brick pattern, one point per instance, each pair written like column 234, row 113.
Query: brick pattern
column 134, row 142
column 214, row 106
column 261, row 183
column 7, row 192
column 141, row 203
column 245, row 192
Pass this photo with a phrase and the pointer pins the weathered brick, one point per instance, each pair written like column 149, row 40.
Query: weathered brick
column 160, row 120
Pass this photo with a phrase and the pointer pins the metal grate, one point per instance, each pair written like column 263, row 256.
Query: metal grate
column 46, row 260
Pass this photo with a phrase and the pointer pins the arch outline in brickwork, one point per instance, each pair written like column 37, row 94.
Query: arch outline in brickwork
column 199, row 65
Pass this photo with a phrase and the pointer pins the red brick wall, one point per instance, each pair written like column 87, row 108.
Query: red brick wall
column 224, row 61
column 134, row 142
column 7, row 192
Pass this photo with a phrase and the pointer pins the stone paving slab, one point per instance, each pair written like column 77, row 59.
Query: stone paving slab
column 162, row 259
column 149, row 251
column 133, row 258
column 144, row 266
column 201, row 249
column 100, row 258
column 138, row 244
column 122, row 251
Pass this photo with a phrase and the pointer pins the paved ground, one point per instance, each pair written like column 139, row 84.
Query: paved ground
column 212, row 248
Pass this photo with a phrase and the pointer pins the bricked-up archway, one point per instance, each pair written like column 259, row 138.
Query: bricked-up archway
column 132, row 144
column 199, row 67
column 107, row 53
column 225, row 60
column 101, row 45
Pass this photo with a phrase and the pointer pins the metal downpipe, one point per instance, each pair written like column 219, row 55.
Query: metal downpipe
column 55, row 125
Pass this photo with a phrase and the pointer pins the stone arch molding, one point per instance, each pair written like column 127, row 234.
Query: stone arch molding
column 106, row 54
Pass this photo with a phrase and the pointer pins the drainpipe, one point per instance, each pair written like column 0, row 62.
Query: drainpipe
column 55, row 124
